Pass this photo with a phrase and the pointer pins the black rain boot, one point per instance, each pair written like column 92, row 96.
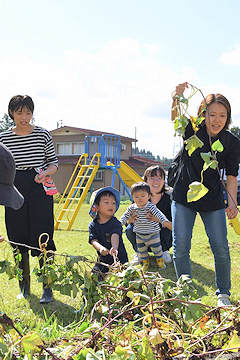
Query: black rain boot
column 24, row 284
column 47, row 294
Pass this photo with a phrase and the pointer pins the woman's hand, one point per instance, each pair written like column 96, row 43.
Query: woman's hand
column 231, row 212
column 151, row 217
column 113, row 252
column 40, row 178
column 167, row 224
column 133, row 217
column 179, row 90
column 1, row 238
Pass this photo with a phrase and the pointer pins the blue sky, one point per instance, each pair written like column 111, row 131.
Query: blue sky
column 112, row 65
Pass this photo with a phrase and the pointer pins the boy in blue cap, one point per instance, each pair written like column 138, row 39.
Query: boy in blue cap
column 105, row 231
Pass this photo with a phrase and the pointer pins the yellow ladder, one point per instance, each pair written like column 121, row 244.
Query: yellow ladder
column 76, row 190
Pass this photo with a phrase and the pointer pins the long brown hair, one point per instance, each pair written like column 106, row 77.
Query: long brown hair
column 216, row 98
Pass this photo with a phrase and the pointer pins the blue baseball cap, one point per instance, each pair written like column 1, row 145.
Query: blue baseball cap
column 93, row 210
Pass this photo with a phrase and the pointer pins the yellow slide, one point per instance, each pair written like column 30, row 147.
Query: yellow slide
column 128, row 175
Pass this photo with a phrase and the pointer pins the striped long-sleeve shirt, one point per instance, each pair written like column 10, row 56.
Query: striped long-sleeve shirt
column 35, row 150
column 142, row 225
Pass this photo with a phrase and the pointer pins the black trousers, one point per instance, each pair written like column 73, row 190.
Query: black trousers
column 24, row 226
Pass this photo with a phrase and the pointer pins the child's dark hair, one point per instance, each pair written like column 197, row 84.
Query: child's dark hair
column 18, row 102
column 104, row 193
column 141, row 185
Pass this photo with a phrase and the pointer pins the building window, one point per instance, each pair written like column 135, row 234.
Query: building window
column 78, row 148
column 99, row 176
column 64, row 149
column 68, row 148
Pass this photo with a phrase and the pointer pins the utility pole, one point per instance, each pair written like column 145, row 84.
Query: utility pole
column 59, row 123
column 135, row 140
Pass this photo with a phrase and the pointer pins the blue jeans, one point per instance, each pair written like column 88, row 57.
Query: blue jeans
column 183, row 220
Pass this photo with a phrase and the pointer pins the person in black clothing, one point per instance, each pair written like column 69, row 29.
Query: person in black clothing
column 211, row 207
column 9, row 195
column 105, row 230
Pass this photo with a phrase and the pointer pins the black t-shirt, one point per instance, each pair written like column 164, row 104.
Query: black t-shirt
column 102, row 233
column 228, row 159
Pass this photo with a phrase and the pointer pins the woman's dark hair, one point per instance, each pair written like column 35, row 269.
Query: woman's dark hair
column 18, row 102
column 152, row 171
column 141, row 185
column 216, row 98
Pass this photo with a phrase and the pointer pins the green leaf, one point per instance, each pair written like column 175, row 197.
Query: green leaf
column 206, row 156
column 83, row 327
column 196, row 191
column 145, row 350
column 31, row 342
column 233, row 343
column 199, row 120
column 3, row 349
column 193, row 143
column 120, row 353
column 217, row 146
column 155, row 337
column 74, row 290
column 211, row 164
column 180, row 124
column 193, row 312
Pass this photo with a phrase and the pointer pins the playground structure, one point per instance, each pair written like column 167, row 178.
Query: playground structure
column 101, row 153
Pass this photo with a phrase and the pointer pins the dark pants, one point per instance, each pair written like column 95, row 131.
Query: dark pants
column 34, row 217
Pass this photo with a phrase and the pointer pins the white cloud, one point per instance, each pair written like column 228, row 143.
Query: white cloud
column 232, row 57
column 117, row 89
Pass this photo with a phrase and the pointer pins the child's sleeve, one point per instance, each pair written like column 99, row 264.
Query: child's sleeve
column 125, row 217
column 92, row 232
column 158, row 214
column 116, row 228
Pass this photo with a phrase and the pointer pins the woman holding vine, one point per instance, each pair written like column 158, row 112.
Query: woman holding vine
column 215, row 112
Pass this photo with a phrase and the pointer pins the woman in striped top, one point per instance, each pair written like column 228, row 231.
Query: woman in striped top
column 35, row 159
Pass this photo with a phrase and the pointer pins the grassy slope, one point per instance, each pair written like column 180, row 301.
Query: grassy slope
column 75, row 242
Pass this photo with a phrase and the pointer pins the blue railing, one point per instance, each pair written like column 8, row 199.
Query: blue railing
column 109, row 146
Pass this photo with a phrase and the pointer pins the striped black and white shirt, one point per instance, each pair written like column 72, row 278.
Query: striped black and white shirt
column 142, row 225
column 35, row 150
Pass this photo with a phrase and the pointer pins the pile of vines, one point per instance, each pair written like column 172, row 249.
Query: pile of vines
column 127, row 315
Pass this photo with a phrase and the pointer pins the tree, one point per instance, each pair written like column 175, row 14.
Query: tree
column 236, row 131
column 6, row 123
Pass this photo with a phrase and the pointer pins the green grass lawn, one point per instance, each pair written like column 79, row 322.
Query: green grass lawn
column 32, row 315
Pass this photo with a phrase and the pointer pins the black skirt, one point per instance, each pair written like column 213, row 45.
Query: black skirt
column 35, row 217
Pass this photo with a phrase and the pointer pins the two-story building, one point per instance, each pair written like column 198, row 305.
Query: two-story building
column 69, row 143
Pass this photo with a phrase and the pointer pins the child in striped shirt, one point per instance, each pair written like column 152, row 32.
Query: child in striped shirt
column 147, row 231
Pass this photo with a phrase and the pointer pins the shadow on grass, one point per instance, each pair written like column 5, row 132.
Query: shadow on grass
column 203, row 276
column 64, row 313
